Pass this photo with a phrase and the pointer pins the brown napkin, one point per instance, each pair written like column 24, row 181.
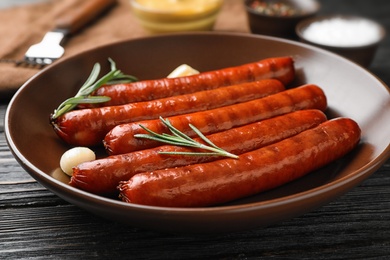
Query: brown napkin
column 27, row 24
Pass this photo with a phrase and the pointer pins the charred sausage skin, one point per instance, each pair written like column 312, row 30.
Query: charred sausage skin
column 121, row 138
column 280, row 68
column 224, row 180
column 87, row 127
column 103, row 176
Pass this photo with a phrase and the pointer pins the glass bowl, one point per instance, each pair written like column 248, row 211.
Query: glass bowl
column 166, row 16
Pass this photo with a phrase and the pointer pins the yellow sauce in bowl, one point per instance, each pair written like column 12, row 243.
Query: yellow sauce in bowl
column 180, row 6
column 176, row 15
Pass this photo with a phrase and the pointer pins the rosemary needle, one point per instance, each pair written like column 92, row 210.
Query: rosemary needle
column 180, row 139
column 83, row 96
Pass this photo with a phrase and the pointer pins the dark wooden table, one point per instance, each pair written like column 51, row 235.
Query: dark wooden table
column 34, row 223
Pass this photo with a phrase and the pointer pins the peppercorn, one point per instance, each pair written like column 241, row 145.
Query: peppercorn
column 274, row 9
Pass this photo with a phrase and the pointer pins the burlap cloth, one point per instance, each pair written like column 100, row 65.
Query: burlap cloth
column 22, row 26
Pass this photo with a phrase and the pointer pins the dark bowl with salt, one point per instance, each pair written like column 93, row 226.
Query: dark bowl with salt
column 356, row 38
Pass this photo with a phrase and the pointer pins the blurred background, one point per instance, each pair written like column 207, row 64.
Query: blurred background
column 24, row 22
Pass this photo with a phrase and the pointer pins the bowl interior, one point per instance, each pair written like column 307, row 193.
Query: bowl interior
column 351, row 92
column 301, row 7
column 345, row 35
column 279, row 25
column 160, row 10
column 332, row 25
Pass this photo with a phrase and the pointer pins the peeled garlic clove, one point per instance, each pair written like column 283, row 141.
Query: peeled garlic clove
column 74, row 157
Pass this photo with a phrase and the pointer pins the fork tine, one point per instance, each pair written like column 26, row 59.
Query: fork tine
column 38, row 61
column 30, row 63
column 24, row 63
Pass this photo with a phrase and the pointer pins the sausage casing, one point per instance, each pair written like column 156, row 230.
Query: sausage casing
column 102, row 176
column 87, row 127
column 280, row 68
column 121, row 138
column 260, row 170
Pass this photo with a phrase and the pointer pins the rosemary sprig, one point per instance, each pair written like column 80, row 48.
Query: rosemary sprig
column 83, row 96
column 180, row 139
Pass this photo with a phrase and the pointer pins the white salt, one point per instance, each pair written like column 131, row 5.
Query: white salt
column 342, row 32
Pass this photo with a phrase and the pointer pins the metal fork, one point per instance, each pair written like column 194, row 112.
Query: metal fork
column 50, row 49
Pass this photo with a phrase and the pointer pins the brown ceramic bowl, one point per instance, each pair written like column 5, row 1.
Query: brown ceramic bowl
column 277, row 25
column 347, row 86
column 353, row 37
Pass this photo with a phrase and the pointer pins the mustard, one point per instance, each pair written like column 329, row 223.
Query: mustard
column 176, row 15
column 181, row 7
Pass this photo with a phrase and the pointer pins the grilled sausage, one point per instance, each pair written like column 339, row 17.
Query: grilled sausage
column 257, row 171
column 281, row 68
column 121, row 138
column 87, row 127
column 103, row 176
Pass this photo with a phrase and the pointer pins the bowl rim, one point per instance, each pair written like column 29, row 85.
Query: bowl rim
column 149, row 10
column 316, row 8
column 302, row 25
